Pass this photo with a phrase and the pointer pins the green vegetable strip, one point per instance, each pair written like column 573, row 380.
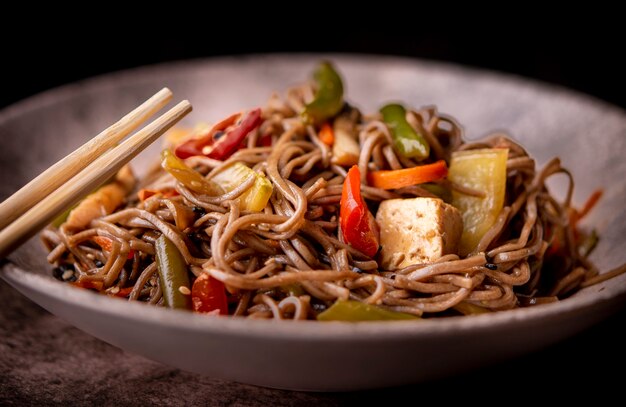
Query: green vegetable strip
column 172, row 273
column 328, row 100
column 354, row 311
column 406, row 140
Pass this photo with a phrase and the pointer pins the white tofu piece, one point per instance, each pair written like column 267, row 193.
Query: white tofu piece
column 417, row 230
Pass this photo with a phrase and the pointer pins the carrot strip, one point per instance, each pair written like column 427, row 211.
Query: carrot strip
column 107, row 245
column 144, row 193
column 326, row 134
column 408, row 176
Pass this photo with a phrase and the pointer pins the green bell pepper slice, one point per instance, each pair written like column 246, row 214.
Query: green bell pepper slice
column 354, row 311
column 406, row 140
column 328, row 100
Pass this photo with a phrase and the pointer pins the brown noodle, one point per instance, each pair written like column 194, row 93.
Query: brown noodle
column 288, row 262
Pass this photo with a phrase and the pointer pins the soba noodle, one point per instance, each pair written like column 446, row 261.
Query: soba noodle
column 289, row 260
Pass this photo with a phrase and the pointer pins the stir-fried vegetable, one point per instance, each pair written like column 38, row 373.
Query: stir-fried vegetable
column 408, row 176
column 293, row 289
column 223, row 139
column 438, row 190
column 209, row 295
column 226, row 145
column 346, row 148
column 358, row 227
column 172, row 274
column 576, row 215
column 107, row 245
column 145, row 193
column 326, row 134
column 467, row 308
column 406, row 140
column 185, row 175
column 482, row 170
column 589, row 243
column 202, row 137
column 328, row 100
column 255, row 198
column 101, row 202
column 354, row 311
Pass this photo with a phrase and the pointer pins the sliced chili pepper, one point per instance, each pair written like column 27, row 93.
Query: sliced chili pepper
column 358, row 226
column 406, row 140
column 220, row 143
column 208, row 295
column 408, row 176
column 228, row 143
column 328, row 100
column 195, row 146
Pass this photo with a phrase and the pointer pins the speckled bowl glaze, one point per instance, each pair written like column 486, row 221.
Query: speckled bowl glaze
column 589, row 136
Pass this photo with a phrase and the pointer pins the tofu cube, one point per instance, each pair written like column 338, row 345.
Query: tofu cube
column 417, row 230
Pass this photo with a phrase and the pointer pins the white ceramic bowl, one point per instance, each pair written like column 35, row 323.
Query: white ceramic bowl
column 589, row 136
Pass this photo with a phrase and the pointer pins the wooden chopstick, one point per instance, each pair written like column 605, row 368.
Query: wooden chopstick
column 62, row 171
column 91, row 177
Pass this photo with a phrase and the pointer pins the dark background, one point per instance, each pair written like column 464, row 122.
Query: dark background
column 579, row 56
column 582, row 56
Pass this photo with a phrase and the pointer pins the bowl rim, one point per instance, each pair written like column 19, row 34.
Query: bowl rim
column 24, row 280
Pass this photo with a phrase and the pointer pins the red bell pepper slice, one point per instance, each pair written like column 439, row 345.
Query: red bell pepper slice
column 194, row 147
column 208, row 295
column 227, row 144
column 358, row 227
column 265, row 140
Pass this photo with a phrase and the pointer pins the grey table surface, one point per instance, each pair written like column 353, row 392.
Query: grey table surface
column 46, row 361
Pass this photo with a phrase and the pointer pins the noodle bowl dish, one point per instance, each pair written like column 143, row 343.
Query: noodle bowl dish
column 334, row 207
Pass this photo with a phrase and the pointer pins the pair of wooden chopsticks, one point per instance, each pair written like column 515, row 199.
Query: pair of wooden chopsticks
column 54, row 191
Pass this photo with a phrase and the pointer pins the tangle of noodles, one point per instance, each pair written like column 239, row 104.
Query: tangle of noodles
column 289, row 262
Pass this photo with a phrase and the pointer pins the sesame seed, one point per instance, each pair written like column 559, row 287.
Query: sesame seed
column 184, row 290
column 67, row 274
column 114, row 290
